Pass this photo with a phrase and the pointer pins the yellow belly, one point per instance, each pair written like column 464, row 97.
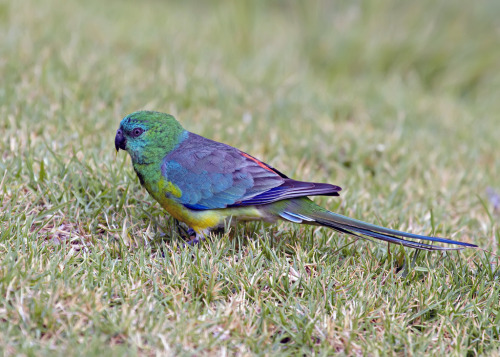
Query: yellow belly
column 199, row 220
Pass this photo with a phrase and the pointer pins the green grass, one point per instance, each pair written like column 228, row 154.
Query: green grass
column 397, row 102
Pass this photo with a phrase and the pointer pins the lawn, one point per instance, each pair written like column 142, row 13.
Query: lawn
column 396, row 102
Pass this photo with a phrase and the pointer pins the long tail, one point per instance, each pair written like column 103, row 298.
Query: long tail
column 303, row 210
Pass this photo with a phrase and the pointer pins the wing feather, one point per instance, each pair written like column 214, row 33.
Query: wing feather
column 214, row 175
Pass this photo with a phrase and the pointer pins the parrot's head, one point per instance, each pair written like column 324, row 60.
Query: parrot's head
column 148, row 136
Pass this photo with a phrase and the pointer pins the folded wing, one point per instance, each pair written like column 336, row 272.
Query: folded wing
column 213, row 175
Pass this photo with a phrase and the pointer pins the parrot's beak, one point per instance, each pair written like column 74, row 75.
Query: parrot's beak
column 120, row 140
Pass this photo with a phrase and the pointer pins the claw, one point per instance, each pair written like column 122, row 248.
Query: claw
column 180, row 229
column 187, row 234
column 197, row 237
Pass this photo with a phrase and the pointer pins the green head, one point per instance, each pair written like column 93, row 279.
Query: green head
column 148, row 136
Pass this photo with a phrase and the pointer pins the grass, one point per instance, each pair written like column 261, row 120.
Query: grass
column 396, row 102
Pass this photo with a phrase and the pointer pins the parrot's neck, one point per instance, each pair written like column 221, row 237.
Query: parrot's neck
column 149, row 174
column 148, row 162
column 152, row 180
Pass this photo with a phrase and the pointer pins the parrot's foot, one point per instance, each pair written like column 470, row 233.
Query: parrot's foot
column 195, row 241
column 187, row 234
column 198, row 238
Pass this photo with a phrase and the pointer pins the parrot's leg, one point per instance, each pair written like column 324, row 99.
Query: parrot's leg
column 199, row 237
column 180, row 229
column 186, row 234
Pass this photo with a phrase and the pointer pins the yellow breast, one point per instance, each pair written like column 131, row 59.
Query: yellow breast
column 165, row 193
column 198, row 220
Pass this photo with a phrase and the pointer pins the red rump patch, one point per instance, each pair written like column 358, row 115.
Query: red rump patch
column 261, row 164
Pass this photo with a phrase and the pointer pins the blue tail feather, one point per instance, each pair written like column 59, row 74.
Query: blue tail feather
column 295, row 209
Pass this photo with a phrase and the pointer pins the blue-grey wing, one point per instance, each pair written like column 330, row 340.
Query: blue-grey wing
column 214, row 175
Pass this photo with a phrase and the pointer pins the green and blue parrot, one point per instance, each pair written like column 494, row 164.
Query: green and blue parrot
column 206, row 184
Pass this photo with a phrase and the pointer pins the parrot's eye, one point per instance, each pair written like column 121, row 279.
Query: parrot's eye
column 136, row 132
